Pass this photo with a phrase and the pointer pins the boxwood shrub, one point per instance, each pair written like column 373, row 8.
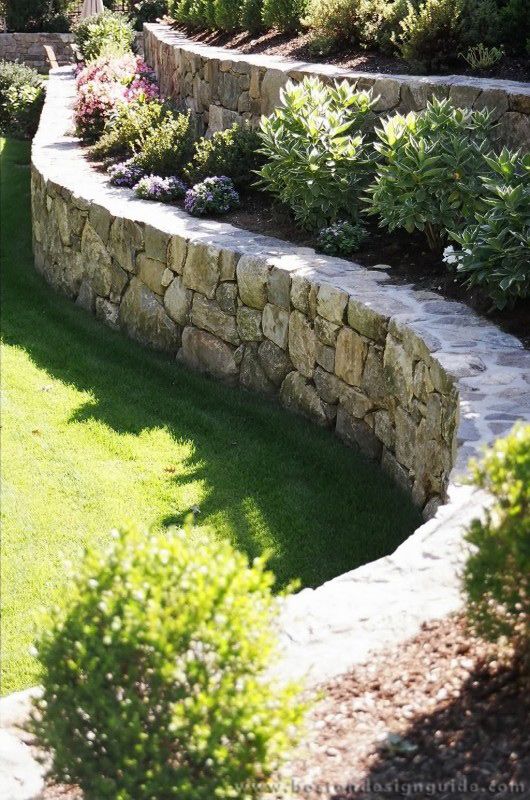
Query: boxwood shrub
column 154, row 673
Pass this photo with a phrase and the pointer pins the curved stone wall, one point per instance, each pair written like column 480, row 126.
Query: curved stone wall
column 418, row 382
column 222, row 86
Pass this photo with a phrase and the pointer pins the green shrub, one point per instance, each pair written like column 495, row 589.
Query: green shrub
column 109, row 33
column 497, row 573
column 129, row 126
column 36, row 15
column 317, row 159
column 166, row 148
column 432, row 33
column 226, row 14
column 495, row 252
column 369, row 23
column 232, row 152
column 514, row 17
column 428, row 170
column 250, row 15
column 148, row 11
column 154, row 674
column 481, row 23
column 341, row 239
column 285, row 15
column 21, row 99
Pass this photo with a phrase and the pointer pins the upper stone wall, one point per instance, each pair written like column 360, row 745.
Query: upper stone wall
column 42, row 51
column 222, row 86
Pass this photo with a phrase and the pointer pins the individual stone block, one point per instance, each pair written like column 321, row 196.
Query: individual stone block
column 366, row 321
column 300, row 293
column 143, row 317
column 208, row 315
column 299, row 395
column 275, row 362
column 272, row 82
column 205, row 352
column 358, row 434
column 151, row 272
column 220, row 118
column 405, row 438
column 326, row 331
column 279, row 288
column 275, row 324
column 395, row 471
column 86, row 297
column 176, row 254
column 229, row 90
column 249, row 324
column 156, row 243
column 384, row 428
column 226, row 296
column 398, row 370
column 227, row 265
column 325, row 356
column 328, row 386
column 355, row 403
column 60, row 211
column 125, row 240
column 350, row 355
column 252, row 274
column 201, row 269
column 100, row 220
column 302, row 344
column 374, row 381
column 107, row 312
column 252, row 375
column 103, row 274
column 331, row 304
column 177, row 301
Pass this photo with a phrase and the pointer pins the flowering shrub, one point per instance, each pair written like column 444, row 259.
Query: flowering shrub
column 495, row 247
column 497, row 573
column 108, row 33
column 125, row 174
column 155, row 673
column 21, row 99
column 106, row 83
column 317, row 161
column 128, row 126
column 212, row 196
column 165, row 190
column 341, row 239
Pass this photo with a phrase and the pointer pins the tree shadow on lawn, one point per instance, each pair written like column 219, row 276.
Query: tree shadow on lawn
column 324, row 508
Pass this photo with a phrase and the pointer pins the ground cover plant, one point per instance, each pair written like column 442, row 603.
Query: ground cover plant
column 21, row 99
column 109, row 428
column 154, row 673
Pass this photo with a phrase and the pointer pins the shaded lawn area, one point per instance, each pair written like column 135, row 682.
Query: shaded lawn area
column 98, row 431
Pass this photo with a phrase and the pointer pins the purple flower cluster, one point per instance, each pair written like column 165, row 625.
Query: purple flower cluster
column 215, row 195
column 165, row 190
column 125, row 174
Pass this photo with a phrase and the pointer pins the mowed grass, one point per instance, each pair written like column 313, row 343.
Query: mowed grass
column 97, row 431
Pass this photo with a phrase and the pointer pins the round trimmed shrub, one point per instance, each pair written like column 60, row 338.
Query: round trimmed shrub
column 108, row 33
column 497, row 573
column 154, row 673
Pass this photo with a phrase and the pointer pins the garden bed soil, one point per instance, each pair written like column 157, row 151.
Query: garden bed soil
column 405, row 258
column 297, row 46
column 444, row 710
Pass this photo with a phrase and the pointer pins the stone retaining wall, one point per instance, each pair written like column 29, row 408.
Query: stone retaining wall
column 44, row 51
column 39, row 50
column 418, row 382
column 222, row 86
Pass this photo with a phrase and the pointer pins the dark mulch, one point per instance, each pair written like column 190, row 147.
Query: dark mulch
column 408, row 257
column 297, row 46
column 445, row 715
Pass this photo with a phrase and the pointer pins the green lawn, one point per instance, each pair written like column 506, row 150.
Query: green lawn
column 97, row 431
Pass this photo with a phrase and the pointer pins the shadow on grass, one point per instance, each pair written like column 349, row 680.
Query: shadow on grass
column 326, row 509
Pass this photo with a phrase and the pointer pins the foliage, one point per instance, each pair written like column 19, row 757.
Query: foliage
column 128, row 125
column 428, row 170
column 431, row 33
column 148, row 11
column 21, row 99
column 285, row 15
column 164, row 190
column 514, row 19
column 250, row 16
column 481, row 57
column 495, row 252
column 317, row 159
column 497, row 573
column 341, row 239
column 108, row 33
column 232, row 152
column 155, row 675
column 369, row 23
column 125, row 174
column 166, row 148
column 215, row 195
column 36, row 15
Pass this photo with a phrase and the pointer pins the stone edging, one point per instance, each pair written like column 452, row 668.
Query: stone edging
column 417, row 380
column 223, row 86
